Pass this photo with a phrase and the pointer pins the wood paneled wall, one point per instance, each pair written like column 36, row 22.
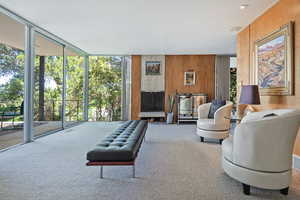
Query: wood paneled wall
column 135, row 87
column 176, row 65
column 202, row 65
column 280, row 14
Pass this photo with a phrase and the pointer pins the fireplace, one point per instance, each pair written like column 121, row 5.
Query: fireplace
column 152, row 101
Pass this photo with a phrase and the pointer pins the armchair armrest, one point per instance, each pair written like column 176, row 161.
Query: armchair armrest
column 222, row 115
column 203, row 110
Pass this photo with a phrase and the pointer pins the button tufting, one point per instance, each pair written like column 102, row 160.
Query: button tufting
column 125, row 138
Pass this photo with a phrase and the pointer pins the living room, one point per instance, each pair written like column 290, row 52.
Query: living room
column 150, row 100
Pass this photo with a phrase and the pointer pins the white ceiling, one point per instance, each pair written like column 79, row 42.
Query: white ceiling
column 114, row 27
column 12, row 34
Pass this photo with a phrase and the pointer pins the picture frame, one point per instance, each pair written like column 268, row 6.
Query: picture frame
column 153, row 68
column 189, row 78
column 273, row 62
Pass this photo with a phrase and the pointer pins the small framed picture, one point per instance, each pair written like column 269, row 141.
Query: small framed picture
column 153, row 68
column 189, row 78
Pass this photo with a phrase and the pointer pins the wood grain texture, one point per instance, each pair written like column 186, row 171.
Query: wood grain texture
column 280, row 14
column 136, row 87
column 176, row 65
column 243, row 57
column 202, row 65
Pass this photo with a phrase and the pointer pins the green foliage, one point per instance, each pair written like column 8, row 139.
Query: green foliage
column 11, row 61
column 105, row 88
column 233, row 86
column 104, row 85
column 53, row 88
column 74, row 93
column 12, row 70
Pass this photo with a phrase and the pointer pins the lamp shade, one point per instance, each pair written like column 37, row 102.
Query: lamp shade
column 250, row 95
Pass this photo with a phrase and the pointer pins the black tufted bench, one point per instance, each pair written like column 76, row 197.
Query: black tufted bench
column 119, row 148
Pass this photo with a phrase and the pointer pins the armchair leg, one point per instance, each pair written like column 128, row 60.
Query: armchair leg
column 285, row 191
column 246, row 189
column 201, row 139
column 220, row 141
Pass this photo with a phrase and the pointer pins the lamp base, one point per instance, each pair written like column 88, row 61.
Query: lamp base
column 244, row 109
column 251, row 108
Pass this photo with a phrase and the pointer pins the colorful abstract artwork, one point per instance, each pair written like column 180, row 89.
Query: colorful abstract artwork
column 271, row 63
column 274, row 62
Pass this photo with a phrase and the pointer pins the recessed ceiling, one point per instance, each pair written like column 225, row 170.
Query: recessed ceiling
column 118, row 27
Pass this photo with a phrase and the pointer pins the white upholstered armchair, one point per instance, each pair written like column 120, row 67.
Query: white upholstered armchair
column 260, row 151
column 216, row 128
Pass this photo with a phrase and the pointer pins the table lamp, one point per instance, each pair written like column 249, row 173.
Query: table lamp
column 250, row 96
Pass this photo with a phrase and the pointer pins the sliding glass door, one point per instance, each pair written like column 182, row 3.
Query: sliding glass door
column 11, row 81
column 74, row 88
column 48, row 85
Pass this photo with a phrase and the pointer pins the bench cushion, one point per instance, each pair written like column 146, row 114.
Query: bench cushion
column 122, row 145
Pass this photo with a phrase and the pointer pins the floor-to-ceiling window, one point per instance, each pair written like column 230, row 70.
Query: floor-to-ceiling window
column 11, row 81
column 55, row 88
column 48, row 85
column 105, row 85
column 74, row 88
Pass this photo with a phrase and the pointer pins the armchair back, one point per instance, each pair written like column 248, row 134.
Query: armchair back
column 264, row 141
column 223, row 114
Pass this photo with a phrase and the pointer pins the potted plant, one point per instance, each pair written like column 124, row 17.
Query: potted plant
column 171, row 101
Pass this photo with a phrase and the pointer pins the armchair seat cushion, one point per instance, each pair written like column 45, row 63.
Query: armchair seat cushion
column 209, row 125
column 227, row 147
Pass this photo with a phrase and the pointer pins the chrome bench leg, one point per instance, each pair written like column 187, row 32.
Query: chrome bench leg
column 101, row 171
column 133, row 171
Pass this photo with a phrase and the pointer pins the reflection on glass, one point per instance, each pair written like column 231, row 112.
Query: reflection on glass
column 48, row 75
column 11, row 81
column 105, row 82
column 74, row 89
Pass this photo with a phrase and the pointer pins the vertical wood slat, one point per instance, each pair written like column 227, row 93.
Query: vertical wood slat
column 136, row 87
column 176, row 65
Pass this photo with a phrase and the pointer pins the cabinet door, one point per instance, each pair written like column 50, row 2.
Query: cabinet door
column 185, row 105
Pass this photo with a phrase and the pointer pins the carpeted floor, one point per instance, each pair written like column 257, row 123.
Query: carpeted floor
column 171, row 165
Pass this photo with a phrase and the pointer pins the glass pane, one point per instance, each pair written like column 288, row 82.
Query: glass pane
column 11, row 81
column 233, row 81
column 48, row 85
column 74, row 88
column 105, row 82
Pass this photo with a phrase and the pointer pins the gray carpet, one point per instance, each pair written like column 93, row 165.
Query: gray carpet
column 172, row 165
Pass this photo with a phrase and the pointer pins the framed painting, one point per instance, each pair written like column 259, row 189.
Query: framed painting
column 189, row 78
column 274, row 62
column 153, row 68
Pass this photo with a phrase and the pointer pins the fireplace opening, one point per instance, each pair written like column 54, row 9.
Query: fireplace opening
column 152, row 101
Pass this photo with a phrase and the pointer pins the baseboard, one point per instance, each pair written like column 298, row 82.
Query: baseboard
column 296, row 162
